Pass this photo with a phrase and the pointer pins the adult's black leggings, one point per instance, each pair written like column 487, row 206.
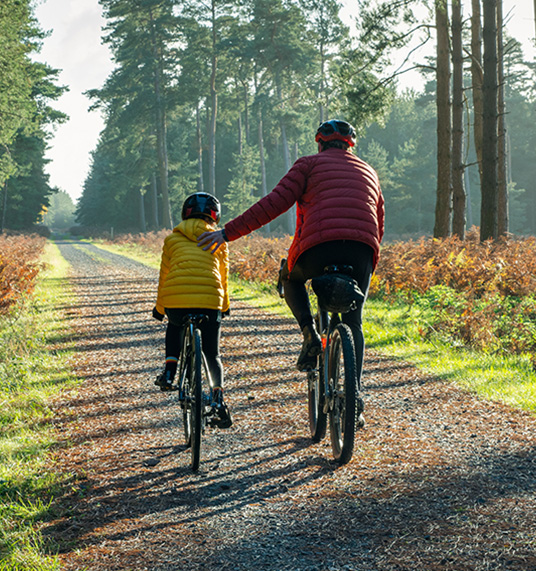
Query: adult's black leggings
column 210, row 338
column 312, row 263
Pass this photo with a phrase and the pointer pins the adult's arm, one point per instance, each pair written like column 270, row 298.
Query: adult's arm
column 287, row 191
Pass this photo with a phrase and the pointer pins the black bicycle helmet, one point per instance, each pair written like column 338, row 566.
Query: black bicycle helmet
column 336, row 130
column 201, row 205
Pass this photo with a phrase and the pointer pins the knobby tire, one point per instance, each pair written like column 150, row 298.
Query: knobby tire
column 186, row 373
column 196, row 395
column 315, row 402
column 343, row 415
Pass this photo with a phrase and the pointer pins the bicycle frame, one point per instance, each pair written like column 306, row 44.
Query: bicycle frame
column 326, row 321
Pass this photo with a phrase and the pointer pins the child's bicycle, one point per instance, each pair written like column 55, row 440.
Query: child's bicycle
column 333, row 387
column 194, row 388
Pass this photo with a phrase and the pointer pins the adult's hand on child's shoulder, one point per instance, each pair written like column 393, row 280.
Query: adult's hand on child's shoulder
column 157, row 314
column 211, row 240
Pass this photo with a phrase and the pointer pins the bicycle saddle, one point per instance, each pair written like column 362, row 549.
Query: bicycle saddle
column 336, row 269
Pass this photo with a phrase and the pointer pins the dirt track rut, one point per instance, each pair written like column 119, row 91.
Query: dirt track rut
column 440, row 479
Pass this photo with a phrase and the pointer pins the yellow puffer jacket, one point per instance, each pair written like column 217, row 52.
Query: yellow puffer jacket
column 189, row 275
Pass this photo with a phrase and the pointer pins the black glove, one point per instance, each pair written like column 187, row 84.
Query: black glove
column 226, row 313
column 157, row 314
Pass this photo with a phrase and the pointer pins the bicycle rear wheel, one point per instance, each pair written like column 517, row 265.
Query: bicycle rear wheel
column 196, row 400
column 315, row 401
column 343, row 414
column 186, row 414
column 184, row 396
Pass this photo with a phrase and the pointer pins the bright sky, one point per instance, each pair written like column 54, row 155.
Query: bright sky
column 75, row 48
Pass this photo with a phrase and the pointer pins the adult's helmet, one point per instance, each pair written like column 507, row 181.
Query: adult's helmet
column 336, row 130
column 201, row 204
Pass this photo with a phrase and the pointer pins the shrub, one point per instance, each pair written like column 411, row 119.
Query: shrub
column 480, row 294
column 18, row 267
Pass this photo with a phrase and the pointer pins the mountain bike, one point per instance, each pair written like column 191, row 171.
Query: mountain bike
column 334, row 387
column 194, row 387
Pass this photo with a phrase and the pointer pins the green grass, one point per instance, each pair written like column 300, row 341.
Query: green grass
column 30, row 375
column 393, row 329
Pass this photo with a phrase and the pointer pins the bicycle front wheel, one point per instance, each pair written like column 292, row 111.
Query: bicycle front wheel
column 343, row 413
column 196, row 400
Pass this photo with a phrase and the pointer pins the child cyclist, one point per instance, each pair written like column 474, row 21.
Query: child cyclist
column 194, row 281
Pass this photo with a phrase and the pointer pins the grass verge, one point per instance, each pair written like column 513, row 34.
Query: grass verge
column 394, row 330
column 31, row 374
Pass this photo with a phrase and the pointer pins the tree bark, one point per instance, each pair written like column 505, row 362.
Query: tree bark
column 161, row 132
column 264, row 185
column 321, row 109
column 214, row 108
column 458, row 167
column 154, row 198
column 143, row 224
column 502, row 184
column 291, row 213
column 200, row 183
column 489, row 205
column 3, row 225
column 444, row 185
column 534, row 16
column 246, row 111
column 476, row 77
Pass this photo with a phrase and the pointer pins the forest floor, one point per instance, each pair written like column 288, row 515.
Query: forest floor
column 440, row 480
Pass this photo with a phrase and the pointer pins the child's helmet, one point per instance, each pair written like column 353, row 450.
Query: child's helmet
column 336, row 130
column 202, row 205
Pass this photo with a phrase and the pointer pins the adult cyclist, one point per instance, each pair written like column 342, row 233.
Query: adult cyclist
column 340, row 220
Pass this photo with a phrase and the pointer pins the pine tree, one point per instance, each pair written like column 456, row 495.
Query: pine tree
column 444, row 128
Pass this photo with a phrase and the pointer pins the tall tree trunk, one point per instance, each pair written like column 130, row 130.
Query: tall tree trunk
column 502, row 184
column 291, row 213
column 476, row 78
column 143, row 224
column 154, row 199
column 246, row 111
column 488, row 212
column 264, row 186
column 458, row 167
column 200, row 183
column 3, row 225
column 444, row 185
column 239, row 132
column 534, row 15
column 161, row 132
column 214, row 108
column 469, row 206
column 321, row 108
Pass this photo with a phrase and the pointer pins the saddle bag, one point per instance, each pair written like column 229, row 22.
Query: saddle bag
column 337, row 293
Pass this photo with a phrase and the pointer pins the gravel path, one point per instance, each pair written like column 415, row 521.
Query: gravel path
column 440, row 479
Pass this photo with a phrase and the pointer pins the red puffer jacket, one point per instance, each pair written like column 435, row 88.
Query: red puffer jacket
column 338, row 198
